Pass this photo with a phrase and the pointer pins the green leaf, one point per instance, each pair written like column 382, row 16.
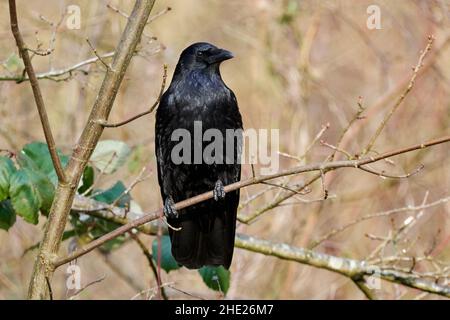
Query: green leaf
column 35, row 156
column 168, row 262
column 289, row 13
column 136, row 159
column 45, row 189
column 92, row 228
column 25, row 197
column 13, row 63
column 88, row 228
column 87, row 180
column 110, row 155
column 101, row 227
column 7, row 215
column 7, row 168
column 112, row 194
column 216, row 278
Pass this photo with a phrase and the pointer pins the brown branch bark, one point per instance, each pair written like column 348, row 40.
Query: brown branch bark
column 351, row 268
column 323, row 167
column 356, row 270
column 43, row 268
column 23, row 51
column 57, row 75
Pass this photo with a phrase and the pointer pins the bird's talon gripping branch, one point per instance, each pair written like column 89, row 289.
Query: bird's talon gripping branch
column 219, row 190
column 169, row 208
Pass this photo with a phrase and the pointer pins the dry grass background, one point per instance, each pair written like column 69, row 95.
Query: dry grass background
column 298, row 66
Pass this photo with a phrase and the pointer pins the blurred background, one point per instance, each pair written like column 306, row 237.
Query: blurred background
column 298, row 66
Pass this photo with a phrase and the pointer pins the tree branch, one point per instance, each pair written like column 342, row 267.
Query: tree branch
column 23, row 51
column 55, row 74
column 90, row 136
column 150, row 110
column 399, row 101
column 377, row 215
column 323, row 167
column 149, row 256
column 353, row 269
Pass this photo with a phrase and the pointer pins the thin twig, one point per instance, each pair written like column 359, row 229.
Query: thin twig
column 55, row 74
column 377, row 215
column 151, row 263
column 36, row 92
column 401, row 98
column 158, row 14
column 87, row 286
column 365, row 289
column 139, row 178
column 150, row 110
column 241, row 184
column 107, row 66
column 353, row 269
column 384, row 175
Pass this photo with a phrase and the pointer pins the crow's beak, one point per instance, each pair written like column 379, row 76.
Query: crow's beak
column 220, row 55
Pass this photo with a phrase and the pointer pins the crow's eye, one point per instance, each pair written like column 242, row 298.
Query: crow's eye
column 199, row 53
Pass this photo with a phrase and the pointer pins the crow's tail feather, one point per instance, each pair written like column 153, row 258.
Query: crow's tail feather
column 198, row 243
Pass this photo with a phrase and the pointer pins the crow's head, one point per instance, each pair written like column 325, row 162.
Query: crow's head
column 202, row 55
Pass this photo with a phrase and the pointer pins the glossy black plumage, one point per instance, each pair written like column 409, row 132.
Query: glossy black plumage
column 198, row 93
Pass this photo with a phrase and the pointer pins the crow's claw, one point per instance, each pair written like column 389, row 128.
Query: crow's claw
column 169, row 208
column 219, row 191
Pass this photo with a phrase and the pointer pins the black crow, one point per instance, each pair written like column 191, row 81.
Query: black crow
column 198, row 100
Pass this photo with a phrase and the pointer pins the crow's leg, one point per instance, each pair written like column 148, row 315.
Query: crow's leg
column 219, row 190
column 169, row 208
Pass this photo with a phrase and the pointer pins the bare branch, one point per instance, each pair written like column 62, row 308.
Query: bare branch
column 362, row 285
column 377, row 215
column 55, row 74
column 36, row 92
column 401, row 98
column 158, row 14
column 150, row 110
column 351, row 268
column 107, row 66
column 149, row 257
column 309, row 147
column 354, row 269
column 73, row 296
column 323, row 167
column 90, row 136
column 385, row 175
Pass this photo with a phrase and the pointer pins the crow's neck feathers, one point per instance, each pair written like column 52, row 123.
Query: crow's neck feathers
column 188, row 85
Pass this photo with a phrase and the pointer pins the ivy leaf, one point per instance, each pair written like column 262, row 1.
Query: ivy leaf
column 116, row 192
column 7, row 168
column 110, row 155
column 35, row 156
column 102, row 227
column 25, row 197
column 13, row 63
column 88, row 228
column 136, row 160
column 216, row 278
column 87, row 180
column 7, row 215
column 45, row 189
column 168, row 262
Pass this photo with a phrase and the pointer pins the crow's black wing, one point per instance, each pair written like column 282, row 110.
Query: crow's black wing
column 207, row 229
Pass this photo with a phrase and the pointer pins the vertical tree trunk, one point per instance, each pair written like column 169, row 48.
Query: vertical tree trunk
column 43, row 268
